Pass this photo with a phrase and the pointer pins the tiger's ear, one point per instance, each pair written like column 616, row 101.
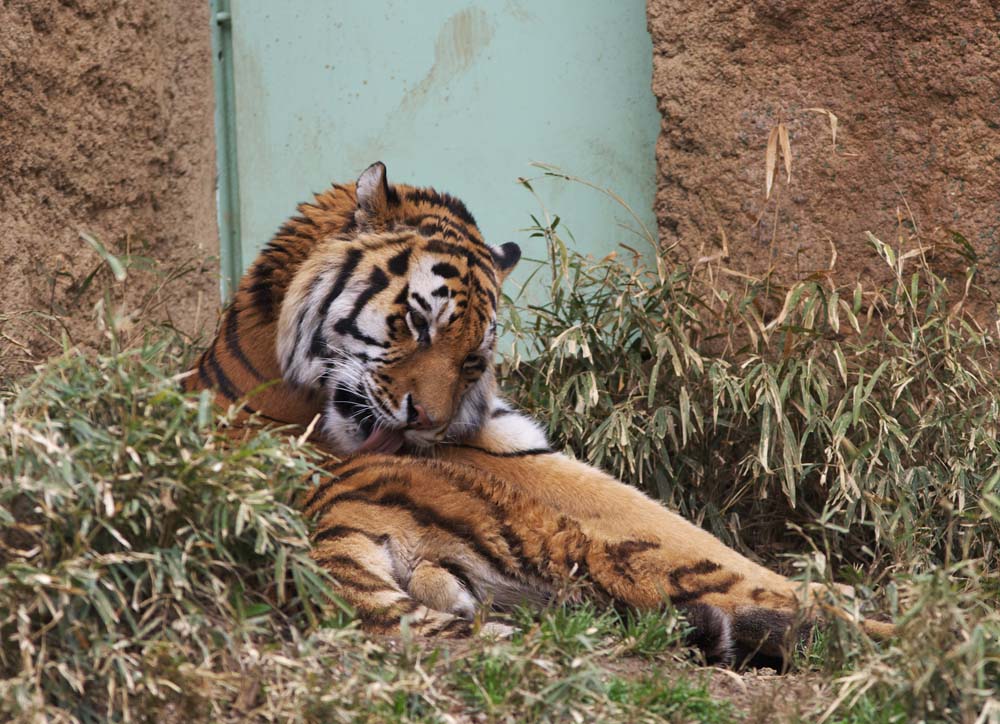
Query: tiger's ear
column 373, row 198
column 505, row 257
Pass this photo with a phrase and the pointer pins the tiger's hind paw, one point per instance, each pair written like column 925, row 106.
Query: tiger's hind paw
column 497, row 630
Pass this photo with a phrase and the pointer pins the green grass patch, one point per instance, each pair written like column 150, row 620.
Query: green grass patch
column 672, row 699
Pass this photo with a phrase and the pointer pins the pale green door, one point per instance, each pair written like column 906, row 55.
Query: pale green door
column 448, row 93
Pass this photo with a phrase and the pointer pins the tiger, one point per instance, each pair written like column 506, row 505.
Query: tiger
column 370, row 321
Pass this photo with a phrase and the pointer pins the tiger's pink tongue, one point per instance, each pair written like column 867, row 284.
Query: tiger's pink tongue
column 383, row 441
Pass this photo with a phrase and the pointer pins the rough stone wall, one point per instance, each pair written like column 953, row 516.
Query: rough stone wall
column 105, row 127
column 915, row 85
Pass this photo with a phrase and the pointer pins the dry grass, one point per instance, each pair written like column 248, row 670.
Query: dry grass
column 148, row 571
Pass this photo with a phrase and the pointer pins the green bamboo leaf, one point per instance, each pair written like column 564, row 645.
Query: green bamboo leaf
column 113, row 262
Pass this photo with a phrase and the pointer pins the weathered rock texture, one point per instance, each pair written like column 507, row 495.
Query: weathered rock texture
column 915, row 85
column 106, row 127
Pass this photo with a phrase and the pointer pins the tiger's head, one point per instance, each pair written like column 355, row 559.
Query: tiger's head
column 395, row 320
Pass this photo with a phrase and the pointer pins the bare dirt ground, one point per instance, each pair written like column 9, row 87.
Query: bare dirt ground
column 758, row 695
column 764, row 695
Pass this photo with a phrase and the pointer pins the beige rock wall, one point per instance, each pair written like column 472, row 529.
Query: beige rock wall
column 105, row 126
column 915, row 86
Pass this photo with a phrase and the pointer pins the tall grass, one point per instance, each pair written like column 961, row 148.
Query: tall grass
column 864, row 414
column 855, row 424
column 137, row 544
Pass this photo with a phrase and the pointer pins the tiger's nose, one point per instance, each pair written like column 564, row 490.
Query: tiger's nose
column 417, row 416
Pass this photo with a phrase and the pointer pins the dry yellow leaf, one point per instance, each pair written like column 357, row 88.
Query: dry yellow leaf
column 771, row 160
column 786, row 150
